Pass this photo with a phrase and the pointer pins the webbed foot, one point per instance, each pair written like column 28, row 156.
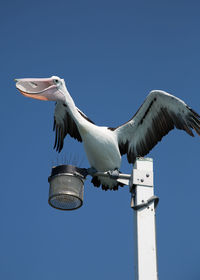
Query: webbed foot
column 114, row 174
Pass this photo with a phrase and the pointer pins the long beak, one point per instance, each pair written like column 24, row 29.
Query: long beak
column 41, row 88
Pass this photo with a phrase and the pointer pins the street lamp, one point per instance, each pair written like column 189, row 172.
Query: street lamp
column 66, row 187
column 66, row 193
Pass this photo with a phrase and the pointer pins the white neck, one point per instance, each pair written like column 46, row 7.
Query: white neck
column 71, row 107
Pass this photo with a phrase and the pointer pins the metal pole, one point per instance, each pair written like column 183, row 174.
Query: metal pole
column 143, row 202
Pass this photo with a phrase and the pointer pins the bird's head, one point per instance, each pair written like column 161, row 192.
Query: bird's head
column 42, row 88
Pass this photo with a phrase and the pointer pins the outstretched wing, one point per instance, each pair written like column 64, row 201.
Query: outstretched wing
column 64, row 124
column 159, row 114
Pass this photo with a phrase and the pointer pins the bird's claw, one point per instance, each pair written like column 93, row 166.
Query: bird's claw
column 114, row 174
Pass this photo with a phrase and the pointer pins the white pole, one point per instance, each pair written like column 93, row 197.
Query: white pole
column 143, row 203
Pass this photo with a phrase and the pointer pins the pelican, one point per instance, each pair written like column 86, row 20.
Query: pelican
column 104, row 146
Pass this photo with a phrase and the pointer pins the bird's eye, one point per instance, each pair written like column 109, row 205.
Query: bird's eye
column 56, row 81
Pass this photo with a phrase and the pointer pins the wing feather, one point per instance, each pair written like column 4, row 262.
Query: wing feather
column 160, row 113
column 64, row 124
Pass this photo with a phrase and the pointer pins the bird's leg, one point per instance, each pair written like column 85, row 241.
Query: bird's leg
column 91, row 171
column 114, row 174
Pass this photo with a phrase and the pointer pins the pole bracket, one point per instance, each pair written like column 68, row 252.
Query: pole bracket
column 154, row 199
column 143, row 177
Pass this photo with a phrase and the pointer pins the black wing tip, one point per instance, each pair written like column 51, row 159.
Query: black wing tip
column 65, row 126
column 194, row 121
column 194, row 112
column 59, row 139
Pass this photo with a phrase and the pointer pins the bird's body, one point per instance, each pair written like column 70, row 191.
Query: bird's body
column 101, row 148
column 102, row 151
column 104, row 146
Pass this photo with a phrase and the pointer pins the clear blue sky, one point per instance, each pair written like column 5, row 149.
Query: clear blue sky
column 111, row 54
